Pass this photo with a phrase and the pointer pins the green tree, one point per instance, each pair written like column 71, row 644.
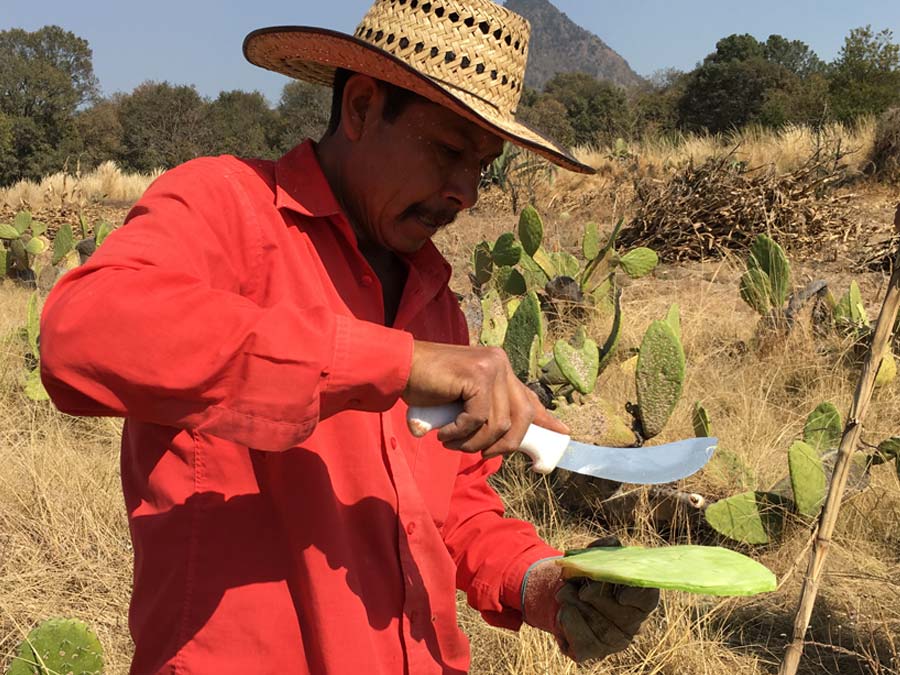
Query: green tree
column 735, row 86
column 240, row 124
column 548, row 116
column 865, row 76
column 162, row 125
column 794, row 55
column 597, row 111
column 45, row 76
column 303, row 112
column 654, row 105
column 100, row 133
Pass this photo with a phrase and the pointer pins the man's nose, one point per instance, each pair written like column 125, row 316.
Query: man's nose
column 461, row 187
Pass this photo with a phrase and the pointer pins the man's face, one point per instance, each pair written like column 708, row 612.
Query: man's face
column 414, row 174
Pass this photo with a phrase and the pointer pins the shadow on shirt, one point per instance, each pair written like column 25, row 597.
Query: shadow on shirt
column 278, row 535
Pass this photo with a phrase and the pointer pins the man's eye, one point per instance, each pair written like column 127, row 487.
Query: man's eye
column 450, row 151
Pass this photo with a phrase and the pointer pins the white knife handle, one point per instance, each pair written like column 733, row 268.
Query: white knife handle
column 543, row 446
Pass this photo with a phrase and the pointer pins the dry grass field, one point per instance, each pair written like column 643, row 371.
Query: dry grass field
column 64, row 547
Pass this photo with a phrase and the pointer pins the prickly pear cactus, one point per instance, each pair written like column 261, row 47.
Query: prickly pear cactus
column 608, row 350
column 749, row 517
column 850, row 312
column 673, row 318
column 700, row 421
column 63, row 243
column 506, row 251
column 823, row 428
column 535, row 277
column 591, row 244
column 659, row 376
column 768, row 256
column 580, row 365
column 509, row 281
column 525, row 324
column 482, row 264
column 531, row 230
column 887, row 370
column 639, row 262
column 807, row 478
column 566, row 264
column 59, row 646
column 756, row 290
column 494, row 322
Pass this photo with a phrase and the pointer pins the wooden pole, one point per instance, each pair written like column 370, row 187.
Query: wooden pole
column 849, row 441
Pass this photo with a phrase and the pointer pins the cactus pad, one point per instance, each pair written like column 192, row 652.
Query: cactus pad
column 9, row 232
column 524, row 325
column 639, row 262
column 535, row 277
column 823, row 428
column 493, row 323
column 756, row 290
column 710, row 570
column 482, row 263
column 63, row 243
column 566, row 264
column 580, row 365
column 749, row 517
column 531, row 230
column 509, row 281
column 659, row 376
column 608, row 350
column 506, row 250
column 590, row 244
column 887, row 370
column 768, row 256
column 59, row 646
column 673, row 318
column 22, row 221
column 850, row 309
column 807, row 478
column 700, row 421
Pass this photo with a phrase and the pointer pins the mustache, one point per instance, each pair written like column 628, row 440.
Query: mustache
column 439, row 217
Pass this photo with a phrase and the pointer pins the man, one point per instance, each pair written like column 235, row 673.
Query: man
column 263, row 326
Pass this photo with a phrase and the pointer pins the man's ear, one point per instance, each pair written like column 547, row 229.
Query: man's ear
column 362, row 96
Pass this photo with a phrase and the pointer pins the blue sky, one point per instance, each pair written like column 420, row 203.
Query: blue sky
column 199, row 41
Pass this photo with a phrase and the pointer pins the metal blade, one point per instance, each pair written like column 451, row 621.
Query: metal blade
column 646, row 465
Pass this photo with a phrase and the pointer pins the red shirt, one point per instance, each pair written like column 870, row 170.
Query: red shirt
column 283, row 518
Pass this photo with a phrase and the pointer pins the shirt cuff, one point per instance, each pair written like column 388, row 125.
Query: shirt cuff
column 511, row 593
column 371, row 365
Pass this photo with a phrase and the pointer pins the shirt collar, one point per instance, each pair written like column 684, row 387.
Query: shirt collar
column 301, row 186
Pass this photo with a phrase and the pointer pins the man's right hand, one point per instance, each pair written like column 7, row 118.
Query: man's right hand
column 497, row 407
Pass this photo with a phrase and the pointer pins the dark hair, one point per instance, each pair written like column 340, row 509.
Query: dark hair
column 396, row 99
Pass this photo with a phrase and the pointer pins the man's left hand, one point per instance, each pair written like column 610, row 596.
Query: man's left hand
column 589, row 619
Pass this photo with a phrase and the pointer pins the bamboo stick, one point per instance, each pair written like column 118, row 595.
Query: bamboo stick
column 849, row 441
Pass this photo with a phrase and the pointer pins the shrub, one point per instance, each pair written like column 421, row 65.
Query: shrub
column 886, row 151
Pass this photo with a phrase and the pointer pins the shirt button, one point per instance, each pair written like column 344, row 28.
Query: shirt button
column 366, row 280
column 393, row 442
column 410, row 528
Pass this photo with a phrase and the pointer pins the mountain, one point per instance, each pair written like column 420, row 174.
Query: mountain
column 558, row 44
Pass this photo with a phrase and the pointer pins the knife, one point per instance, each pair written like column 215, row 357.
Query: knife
column 550, row 449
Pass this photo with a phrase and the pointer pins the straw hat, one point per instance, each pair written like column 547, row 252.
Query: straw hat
column 467, row 55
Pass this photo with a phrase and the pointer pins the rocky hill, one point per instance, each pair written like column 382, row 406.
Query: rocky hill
column 558, row 44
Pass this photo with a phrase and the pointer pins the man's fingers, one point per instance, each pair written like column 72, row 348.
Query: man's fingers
column 644, row 599
column 580, row 640
column 625, row 618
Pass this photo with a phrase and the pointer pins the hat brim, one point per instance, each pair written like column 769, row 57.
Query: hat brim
column 313, row 54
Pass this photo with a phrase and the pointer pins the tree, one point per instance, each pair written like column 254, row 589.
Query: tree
column 548, row 116
column 303, row 112
column 866, row 74
column 162, row 125
column 597, row 111
column 794, row 55
column 240, row 123
column 100, row 133
column 45, row 76
column 737, row 85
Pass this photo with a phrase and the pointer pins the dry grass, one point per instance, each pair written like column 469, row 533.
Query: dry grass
column 106, row 183
column 64, row 546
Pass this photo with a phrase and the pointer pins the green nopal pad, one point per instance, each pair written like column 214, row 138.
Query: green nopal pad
column 807, row 478
column 756, row 290
column 659, row 376
column 506, row 251
column 524, row 325
column 639, row 262
column 59, row 646
column 22, row 221
column 482, row 264
column 749, row 517
column 494, row 322
column 768, row 256
column 580, row 365
column 823, row 428
column 700, row 421
column 531, row 230
column 565, row 264
column 608, row 350
column 591, row 244
column 509, row 281
column 850, row 309
column 673, row 318
column 63, row 243
column 535, row 277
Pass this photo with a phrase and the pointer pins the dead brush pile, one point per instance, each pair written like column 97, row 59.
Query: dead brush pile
column 720, row 205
